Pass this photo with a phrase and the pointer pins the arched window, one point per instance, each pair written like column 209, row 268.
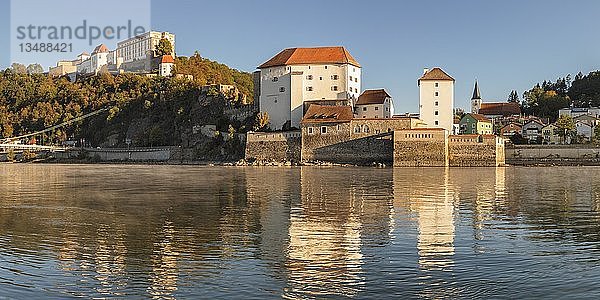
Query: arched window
column 366, row 129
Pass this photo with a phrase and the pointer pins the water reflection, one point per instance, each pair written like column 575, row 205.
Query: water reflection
column 172, row 232
column 429, row 197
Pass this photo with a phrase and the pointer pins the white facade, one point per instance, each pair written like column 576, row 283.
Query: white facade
column 375, row 111
column 584, row 129
column 166, row 69
column 436, row 105
column 138, row 47
column 576, row 112
column 94, row 63
column 283, row 89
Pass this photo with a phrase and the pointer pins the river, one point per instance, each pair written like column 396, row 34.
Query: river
column 172, row 232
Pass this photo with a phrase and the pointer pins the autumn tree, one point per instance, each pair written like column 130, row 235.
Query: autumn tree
column 565, row 126
column 261, row 122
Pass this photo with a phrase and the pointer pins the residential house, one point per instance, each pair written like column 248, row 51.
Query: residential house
column 374, row 104
column 511, row 129
column 588, row 119
column 532, row 131
column 436, row 99
column 550, row 134
column 475, row 124
column 296, row 75
column 456, row 126
column 585, row 131
column 166, row 66
column 579, row 111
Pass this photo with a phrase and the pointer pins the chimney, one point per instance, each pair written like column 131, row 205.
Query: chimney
column 425, row 70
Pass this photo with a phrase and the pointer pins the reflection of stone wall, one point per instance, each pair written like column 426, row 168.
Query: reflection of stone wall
column 420, row 148
column 274, row 146
column 475, row 151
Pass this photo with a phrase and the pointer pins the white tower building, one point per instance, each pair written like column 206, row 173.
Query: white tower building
column 436, row 94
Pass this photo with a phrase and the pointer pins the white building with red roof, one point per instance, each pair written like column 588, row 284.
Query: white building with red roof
column 436, row 99
column 296, row 75
column 374, row 104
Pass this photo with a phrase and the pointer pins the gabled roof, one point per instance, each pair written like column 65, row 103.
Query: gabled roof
column 328, row 114
column 476, row 93
column 101, row 49
column 436, row 74
column 513, row 124
column 372, row 97
column 84, row 54
column 480, row 118
column 316, row 55
column 167, row 59
column 500, row 109
column 534, row 121
column 585, row 117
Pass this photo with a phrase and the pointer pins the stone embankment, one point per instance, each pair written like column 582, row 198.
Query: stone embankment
column 548, row 155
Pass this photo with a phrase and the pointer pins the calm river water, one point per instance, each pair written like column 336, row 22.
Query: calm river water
column 200, row 232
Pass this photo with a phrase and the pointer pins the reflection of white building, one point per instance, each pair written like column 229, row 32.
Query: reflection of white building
column 296, row 75
column 324, row 235
column 428, row 195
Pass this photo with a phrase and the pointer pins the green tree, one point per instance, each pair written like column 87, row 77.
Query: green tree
column 164, row 47
column 35, row 69
column 566, row 126
column 19, row 68
column 513, row 97
column 596, row 137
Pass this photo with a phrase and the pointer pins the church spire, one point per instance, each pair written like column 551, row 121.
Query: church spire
column 476, row 94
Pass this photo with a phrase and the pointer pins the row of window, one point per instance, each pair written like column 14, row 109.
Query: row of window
column 324, row 129
column 418, row 136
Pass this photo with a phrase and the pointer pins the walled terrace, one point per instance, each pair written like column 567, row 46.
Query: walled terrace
column 331, row 134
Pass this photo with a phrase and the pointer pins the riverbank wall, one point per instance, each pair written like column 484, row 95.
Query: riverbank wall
column 274, row 146
column 553, row 155
column 134, row 154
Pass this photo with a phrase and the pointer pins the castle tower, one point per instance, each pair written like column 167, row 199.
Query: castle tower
column 476, row 100
column 436, row 97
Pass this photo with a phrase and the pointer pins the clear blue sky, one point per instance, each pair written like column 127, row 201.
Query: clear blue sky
column 506, row 45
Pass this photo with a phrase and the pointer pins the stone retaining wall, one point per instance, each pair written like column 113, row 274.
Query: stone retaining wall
column 420, row 148
column 475, row 151
column 274, row 146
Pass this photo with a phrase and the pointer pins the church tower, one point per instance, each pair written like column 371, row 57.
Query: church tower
column 476, row 100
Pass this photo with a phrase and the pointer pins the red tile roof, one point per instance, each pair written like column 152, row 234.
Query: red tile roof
column 101, row 49
column 500, row 108
column 328, row 114
column 480, row 118
column 318, row 55
column 167, row 59
column 436, row 74
column 372, row 97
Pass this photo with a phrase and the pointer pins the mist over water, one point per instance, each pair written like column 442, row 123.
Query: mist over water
column 203, row 232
